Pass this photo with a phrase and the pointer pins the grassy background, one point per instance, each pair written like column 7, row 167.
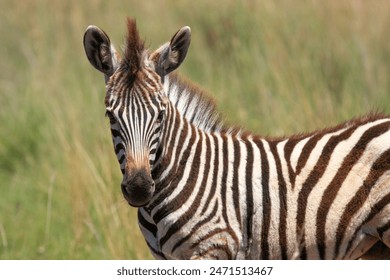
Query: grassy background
column 274, row 68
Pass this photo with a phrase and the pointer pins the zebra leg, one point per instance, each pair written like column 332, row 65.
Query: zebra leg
column 362, row 245
column 379, row 228
column 381, row 249
column 218, row 248
column 213, row 254
column 377, row 252
column 383, row 233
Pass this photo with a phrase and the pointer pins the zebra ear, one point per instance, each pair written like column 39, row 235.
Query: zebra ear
column 172, row 54
column 100, row 53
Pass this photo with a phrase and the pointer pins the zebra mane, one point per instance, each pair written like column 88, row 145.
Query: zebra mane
column 194, row 104
column 133, row 48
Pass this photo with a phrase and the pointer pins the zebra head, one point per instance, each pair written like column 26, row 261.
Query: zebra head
column 135, row 101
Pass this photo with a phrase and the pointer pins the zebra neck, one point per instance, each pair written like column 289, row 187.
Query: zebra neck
column 179, row 137
column 193, row 104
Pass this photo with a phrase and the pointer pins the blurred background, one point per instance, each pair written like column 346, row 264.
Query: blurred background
column 276, row 68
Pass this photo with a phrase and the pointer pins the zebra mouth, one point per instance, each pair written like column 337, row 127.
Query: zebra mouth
column 136, row 197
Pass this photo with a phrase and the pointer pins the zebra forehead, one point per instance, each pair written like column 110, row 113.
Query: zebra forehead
column 134, row 96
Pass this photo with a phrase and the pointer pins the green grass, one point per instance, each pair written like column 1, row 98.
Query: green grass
column 273, row 68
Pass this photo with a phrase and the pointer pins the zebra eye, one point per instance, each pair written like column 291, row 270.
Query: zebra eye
column 110, row 117
column 160, row 116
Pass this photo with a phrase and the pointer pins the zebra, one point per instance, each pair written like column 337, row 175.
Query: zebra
column 205, row 190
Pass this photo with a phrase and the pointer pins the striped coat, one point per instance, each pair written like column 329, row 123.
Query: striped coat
column 307, row 196
column 208, row 191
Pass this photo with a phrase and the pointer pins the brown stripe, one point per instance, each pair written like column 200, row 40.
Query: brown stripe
column 218, row 247
column 381, row 165
column 249, row 197
column 225, row 153
column 189, row 186
column 153, row 229
column 215, row 167
column 288, row 149
column 235, row 186
column 375, row 209
column 313, row 178
column 282, row 201
column 210, row 235
column 165, row 187
column 306, row 151
column 225, row 164
column 150, row 227
column 206, row 220
column 186, row 217
column 266, row 201
column 331, row 191
column 173, row 121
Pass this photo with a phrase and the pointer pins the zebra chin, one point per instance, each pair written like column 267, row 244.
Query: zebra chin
column 138, row 189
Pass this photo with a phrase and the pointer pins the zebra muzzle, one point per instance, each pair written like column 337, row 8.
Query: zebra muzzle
column 137, row 188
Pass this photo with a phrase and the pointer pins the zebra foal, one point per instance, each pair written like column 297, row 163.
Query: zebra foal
column 208, row 191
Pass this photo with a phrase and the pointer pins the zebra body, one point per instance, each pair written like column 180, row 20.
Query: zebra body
column 207, row 191
column 264, row 198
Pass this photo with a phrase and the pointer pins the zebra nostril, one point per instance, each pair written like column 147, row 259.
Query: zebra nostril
column 125, row 190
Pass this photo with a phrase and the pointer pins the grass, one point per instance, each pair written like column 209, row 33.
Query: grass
column 273, row 68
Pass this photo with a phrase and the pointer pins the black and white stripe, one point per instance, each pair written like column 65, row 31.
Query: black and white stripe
column 209, row 191
column 301, row 197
